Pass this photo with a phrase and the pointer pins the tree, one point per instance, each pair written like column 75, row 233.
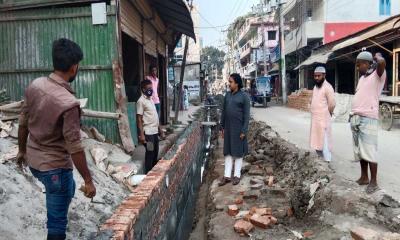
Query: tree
column 212, row 58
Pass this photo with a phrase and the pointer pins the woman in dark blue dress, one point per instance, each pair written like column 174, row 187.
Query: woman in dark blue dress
column 235, row 123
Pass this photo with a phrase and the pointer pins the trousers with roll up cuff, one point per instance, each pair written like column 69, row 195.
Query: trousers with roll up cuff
column 229, row 164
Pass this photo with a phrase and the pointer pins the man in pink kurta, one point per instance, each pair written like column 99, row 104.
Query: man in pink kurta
column 154, row 80
column 322, row 106
column 365, row 116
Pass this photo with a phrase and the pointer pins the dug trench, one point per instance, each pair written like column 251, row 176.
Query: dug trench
column 289, row 193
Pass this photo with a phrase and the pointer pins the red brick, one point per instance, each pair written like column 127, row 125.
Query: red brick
column 263, row 211
column 239, row 200
column 361, row 233
column 127, row 212
column 273, row 220
column 247, row 217
column 115, row 227
column 118, row 235
column 253, row 210
column 260, row 221
column 233, row 210
column 120, row 219
column 243, row 227
column 307, row 234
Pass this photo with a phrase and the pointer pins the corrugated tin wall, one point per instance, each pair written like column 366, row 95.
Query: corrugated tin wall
column 25, row 54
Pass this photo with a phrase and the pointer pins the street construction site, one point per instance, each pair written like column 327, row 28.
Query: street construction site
column 289, row 193
column 285, row 193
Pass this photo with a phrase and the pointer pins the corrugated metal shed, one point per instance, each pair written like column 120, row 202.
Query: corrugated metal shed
column 25, row 54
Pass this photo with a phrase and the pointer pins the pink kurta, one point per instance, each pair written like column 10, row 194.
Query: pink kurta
column 366, row 99
column 323, row 98
column 154, row 81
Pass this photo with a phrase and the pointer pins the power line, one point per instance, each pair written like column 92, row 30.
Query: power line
column 205, row 19
column 232, row 11
column 221, row 26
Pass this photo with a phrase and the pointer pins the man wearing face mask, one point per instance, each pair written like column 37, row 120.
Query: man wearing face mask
column 49, row 136
column 148, row 124
column 322, row 107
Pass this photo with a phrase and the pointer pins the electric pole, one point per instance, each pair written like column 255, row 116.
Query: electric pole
column 180, row 89
column 282, row 63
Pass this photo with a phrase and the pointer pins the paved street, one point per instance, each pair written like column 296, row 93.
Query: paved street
column 294, row 125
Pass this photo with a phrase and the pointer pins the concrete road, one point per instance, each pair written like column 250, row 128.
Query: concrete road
column 294, row 126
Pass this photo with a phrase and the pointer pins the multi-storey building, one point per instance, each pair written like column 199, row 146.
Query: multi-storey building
column 312, row 23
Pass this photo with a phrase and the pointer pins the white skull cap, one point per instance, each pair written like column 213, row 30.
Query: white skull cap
column 365, row 55
column 320, row 70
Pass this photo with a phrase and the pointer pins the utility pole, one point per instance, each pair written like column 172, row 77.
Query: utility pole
column 282, row 50
column 178, row 102
column 264, row 42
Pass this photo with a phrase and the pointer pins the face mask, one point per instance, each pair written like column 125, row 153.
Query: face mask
column 71, row 79
column 148, row 92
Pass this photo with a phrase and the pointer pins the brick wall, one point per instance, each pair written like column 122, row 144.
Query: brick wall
column 300, row 100
column 162, row 206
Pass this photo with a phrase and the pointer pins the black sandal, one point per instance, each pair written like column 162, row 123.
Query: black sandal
column 236, row 181
column 224, row 181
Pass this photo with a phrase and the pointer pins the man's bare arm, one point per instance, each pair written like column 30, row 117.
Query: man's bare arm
column 381, row 65
column 140, row 126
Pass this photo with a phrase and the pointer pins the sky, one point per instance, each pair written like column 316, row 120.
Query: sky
column 216, row 15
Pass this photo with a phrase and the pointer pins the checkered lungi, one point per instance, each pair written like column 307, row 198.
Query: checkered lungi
column 365, row 138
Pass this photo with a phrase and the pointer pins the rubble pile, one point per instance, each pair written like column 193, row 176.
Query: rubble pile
column 289, row 193
column 22, row 198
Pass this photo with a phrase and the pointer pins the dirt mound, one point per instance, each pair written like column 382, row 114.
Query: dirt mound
column 305, row 195
column 22, row 201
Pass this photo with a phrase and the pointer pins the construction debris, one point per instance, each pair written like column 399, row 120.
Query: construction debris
column 97, row 135
column 99, row 155
column 243, row 227
column 233, row 210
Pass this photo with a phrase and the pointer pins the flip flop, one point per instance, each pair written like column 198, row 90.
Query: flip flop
column 371, row 189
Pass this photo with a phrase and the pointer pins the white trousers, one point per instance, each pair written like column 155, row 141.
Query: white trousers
column 228, row 166
column 325, row 153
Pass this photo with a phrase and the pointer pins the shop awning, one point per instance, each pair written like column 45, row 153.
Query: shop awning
column 176, row 14
column 368, row 33
column 315, row 58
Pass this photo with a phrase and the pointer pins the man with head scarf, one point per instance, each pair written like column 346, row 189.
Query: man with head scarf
column 322, row 106
column 235, row 123
column 365, row 114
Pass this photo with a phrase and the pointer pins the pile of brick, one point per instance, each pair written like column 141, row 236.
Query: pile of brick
column 300, row 100
column 247, row 220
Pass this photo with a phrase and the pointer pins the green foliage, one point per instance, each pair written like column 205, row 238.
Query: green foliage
column 212, row 56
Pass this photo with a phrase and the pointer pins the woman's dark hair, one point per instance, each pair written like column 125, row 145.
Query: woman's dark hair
column 65, row 53
column 151, row 67
column 144, row 83
column 236, row 77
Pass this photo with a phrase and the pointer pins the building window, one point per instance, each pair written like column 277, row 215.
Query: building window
column 271, row 35
column 178, row 57
column 384, row 7
column 309, row 13
column 179, row 44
